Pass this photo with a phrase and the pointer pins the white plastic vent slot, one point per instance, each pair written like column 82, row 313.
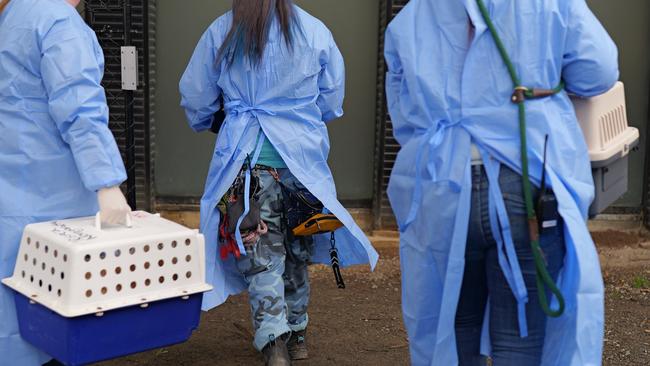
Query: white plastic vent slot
column 612, row 124
column 603, row 120
column 74, row 269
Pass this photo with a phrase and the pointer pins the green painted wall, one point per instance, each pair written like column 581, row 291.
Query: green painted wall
column 182, row 156
column 627, row 22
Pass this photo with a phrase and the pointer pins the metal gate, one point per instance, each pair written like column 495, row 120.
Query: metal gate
column 386, row 145
column 119, row 23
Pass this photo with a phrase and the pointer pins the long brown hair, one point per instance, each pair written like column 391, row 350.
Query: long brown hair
column 251, row 23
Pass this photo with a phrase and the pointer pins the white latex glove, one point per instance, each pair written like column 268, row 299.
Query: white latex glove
column 112, row 205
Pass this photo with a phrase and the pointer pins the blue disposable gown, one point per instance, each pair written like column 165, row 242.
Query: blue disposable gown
column 56, row 149
column 446, row 92
column 289, row 96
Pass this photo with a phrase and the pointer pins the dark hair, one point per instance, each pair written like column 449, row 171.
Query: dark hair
column 251, row 22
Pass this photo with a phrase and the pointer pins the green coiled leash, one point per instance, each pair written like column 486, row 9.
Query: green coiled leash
column 519, row 97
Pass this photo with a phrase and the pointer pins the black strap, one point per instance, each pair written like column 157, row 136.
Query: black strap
column 334, row 255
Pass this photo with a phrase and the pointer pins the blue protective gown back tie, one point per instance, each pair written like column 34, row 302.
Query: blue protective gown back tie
column 247, row 190
column 433, row 138
column 500, row 224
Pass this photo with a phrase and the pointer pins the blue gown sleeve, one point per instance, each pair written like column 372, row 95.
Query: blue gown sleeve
column 72, row 70
column 199, row 89
column 331, row 83
column 590, row 65
column 396, row 90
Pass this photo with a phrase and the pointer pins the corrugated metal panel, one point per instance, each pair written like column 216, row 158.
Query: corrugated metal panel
column 149, row 191
column 106, row 18
column 387, row 146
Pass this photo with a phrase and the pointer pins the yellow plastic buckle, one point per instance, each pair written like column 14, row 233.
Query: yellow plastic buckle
column 318, row 224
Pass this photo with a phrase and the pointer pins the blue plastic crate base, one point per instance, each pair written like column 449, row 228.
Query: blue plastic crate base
column 91, row 338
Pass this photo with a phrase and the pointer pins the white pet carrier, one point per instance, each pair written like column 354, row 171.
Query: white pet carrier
column 603, row 120
column 86, row 293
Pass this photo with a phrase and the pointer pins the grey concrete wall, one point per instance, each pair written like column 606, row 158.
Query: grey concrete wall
column 627, row 22
column 182, row 157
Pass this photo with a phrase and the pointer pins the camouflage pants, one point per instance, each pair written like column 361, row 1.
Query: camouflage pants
column 276, row 271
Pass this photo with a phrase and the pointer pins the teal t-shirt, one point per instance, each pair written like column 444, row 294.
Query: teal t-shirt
column 269, row 156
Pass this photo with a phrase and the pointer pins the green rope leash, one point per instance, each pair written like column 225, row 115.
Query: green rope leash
column 519, row 97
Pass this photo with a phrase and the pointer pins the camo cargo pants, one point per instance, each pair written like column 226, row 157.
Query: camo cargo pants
column 275, row 270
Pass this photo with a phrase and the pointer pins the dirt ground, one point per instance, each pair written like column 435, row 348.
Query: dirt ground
column 626, row 270
column 362, row 325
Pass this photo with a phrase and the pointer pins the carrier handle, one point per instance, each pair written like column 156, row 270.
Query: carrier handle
column 98, row 221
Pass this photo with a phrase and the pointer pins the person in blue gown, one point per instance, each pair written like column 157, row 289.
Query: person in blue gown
column 58, row 159
column 469, row 285
column 281, row 78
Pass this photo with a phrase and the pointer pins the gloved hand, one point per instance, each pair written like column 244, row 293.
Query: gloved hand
column 112, row 205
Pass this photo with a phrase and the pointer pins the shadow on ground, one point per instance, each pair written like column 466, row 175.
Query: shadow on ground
column 362, row 325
